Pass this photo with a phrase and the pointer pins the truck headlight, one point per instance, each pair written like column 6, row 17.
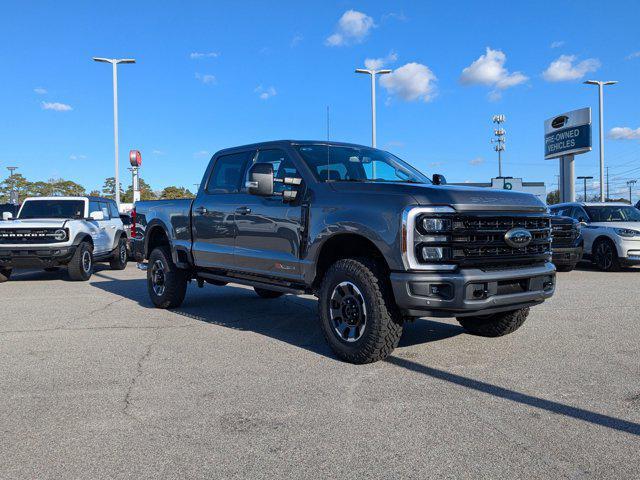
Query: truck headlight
column 434, row 225
column 627, row 233
column 60, row 235
column 434, row 253
column 426, row 237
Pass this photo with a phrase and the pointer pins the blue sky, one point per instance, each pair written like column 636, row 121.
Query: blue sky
column 217, row 74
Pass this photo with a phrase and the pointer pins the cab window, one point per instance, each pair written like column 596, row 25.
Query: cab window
column 113, row 210
column 226, row 174
column 282, row 167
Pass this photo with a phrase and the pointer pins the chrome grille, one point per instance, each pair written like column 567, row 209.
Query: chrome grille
column 21, row 236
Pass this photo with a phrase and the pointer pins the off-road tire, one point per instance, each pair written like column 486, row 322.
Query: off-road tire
column 602, row 263
column 494, row 325
column 80, row 267
column 565, row 268
column 120, row 256
column 264, row 293
column 175, row 280
column 383, row 327
column 5, row 274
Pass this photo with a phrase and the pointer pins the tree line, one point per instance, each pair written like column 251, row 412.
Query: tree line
column 61, row 187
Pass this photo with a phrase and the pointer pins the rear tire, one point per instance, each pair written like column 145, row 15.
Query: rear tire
column 166, row 283
column 120, row 256
column 605, row 256
column 264, row 293
column 565, row 268
column 5, row 274
column 358, row 314
column 494, row 325
column 80, row 267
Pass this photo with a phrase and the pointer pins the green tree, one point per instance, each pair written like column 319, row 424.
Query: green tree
column 109, row 189
column 94, row 193
column 553, row 197
column 146, row 193
column 173, row 192
column 13, row 183
column 66, row 188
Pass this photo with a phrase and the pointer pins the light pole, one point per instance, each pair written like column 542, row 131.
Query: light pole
column 630, row 184
column 584, row 179
column 13, row 195
column 601, row 84
column 114, row 63
column 373, row 74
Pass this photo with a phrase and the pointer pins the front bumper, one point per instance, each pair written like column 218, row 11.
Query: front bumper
column 629, row 251
column 472, row 291
column 35, row 256
column 567, row 255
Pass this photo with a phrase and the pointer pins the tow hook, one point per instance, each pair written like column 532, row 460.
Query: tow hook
column 141, row 266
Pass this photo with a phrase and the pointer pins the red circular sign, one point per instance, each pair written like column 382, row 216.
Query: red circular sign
column 135, row 159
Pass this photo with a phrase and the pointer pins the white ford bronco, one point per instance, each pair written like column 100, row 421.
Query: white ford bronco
column 51, row 232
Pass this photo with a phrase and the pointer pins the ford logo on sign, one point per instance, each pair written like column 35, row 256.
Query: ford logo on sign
column 518, row 237
column 559, row 122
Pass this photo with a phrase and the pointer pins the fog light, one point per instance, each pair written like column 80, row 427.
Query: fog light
column 435, row 224
column 432, row 253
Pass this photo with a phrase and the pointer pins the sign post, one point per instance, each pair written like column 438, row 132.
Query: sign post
column 565, row 136
column 135, row 159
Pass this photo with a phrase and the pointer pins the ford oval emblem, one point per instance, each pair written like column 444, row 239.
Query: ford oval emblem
column 518, row 237
column 559, row 122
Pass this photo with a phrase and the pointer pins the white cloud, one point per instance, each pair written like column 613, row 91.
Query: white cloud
column 40, row 90
column 201, row 55
column 476, row 161
column 489, row 70
column 353, row 27
column 201, row 154
column 563, row 69
column 207, row 79
column 624, row 133
column 435, row 164
column 400, row 16
column 265, row 93
column 158, row 152
column 77, row 157
column 295, row 41
column 56, row 106
column 633, row 55
column 378, row 63
column 557, row 44
column 412, row 81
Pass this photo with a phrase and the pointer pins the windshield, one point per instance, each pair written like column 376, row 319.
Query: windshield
column 52, row 209
column 613, row 214
column 332, row 163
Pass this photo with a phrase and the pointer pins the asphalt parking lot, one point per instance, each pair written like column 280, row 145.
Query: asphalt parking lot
column 97, row 384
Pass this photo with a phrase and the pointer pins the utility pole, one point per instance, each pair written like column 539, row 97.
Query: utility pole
column 600, row 85
column 13, row 195
column 373, row 74
column 630, row 184
column 608, row 197
column 499, row 140
column 114, row 63
column 584, row 179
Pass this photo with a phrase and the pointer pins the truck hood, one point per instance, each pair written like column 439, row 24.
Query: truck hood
column 459, row 197
column 34, row 223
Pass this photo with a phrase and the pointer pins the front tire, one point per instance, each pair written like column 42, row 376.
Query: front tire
column 605, row 256
column 494, row 325
column 358, row 314
column 80, row 267
column 5, row 274
column 565, row 268
column 166, row 283
column 264, row 293
column 120, row 256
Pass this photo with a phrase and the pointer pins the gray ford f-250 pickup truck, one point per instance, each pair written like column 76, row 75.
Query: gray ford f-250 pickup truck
column 374, row 239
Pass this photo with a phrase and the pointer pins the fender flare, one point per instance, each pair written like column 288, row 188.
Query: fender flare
column 152, row 225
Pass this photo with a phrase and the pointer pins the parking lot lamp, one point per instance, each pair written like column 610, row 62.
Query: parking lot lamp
column 114, row 63
column 601, row 84
column 373, row 74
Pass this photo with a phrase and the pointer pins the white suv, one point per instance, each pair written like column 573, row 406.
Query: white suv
column 611, row 232
column 75, row 232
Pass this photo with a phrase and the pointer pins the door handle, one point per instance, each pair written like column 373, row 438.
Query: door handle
column 113, row 227
column 201, row 211
column 243, row 210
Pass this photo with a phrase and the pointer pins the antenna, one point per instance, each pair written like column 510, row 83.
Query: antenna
column 328, row 171
column 499, row 140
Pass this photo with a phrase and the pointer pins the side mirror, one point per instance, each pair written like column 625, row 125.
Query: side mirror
column 438, row 179
column 260, row 179
column 582, row 220
column 97, row 216
column 7, row 216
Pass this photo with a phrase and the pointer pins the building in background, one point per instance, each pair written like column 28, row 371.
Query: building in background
column 538, row 189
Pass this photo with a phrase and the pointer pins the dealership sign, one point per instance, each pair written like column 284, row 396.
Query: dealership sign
column 568, row 134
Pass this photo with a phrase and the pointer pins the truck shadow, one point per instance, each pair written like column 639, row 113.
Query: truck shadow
column 291, row 319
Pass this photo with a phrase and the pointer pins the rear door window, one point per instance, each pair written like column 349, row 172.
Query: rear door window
column 113, row 210
column 227, row 173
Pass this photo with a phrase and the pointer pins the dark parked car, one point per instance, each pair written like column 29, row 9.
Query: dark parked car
column 126, row 222
column 567, row 243
column 374, row 239
column 9, row 208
